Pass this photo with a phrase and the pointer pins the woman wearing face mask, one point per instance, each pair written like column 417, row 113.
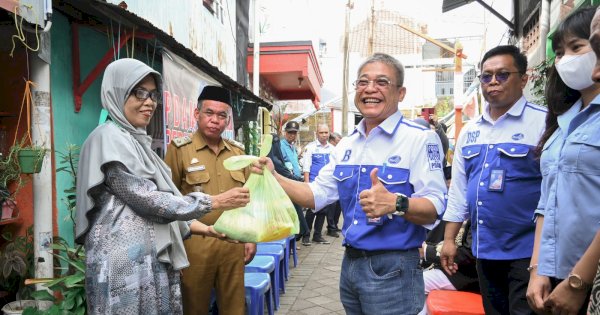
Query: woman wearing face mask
column 567, row 246
column 130, row 215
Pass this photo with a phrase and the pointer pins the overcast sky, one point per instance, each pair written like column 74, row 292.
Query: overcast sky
column 323, row 20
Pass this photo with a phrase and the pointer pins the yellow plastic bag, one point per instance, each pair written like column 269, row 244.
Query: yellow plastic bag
column 270, row 214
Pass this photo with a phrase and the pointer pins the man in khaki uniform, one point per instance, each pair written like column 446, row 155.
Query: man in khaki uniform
column 197, row 165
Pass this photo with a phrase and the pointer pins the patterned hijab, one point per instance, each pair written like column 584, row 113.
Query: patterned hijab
column 118, row 140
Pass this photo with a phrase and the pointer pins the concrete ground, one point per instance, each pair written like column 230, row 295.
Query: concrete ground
column 313, row 286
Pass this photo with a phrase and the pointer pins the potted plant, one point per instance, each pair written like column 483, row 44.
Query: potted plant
column 9, row 172
column 7, row 204
column 16, row 262
column 68, row 285
column 29, row 157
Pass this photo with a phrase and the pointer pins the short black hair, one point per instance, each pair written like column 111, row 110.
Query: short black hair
column 519, row 58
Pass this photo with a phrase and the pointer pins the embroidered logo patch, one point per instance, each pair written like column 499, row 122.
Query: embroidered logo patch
column 472, row 136
column 394, row 159
column 434, row 157
column 346, row 156
column 518, row 136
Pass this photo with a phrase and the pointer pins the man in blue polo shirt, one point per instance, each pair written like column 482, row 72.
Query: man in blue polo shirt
column 388, row 177
column 315, row 156
column 496, row 181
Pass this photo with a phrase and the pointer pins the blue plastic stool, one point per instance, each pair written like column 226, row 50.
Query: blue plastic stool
column 265, row 264
column 293, row 249
column 285, row 244
column 276, row 251
column 258, row 288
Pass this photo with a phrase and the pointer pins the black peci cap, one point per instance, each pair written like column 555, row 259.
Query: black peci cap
column 292, row 126
column 215, row 93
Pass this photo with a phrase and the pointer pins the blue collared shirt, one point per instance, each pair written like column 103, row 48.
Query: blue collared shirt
column 315, row 156
column 496, row 180
column 570, row 197
column 290, row 157
column 409, row 159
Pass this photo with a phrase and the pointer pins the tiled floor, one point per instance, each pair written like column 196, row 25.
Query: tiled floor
column 313, row 287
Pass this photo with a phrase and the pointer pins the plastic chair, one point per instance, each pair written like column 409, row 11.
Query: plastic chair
column 441, row 302
column 265, row 264
column 293, row 250
column 276, row 251
column 285, row 244
column 258, row 289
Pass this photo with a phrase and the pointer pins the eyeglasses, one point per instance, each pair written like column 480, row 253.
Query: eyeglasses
column 501, row 77
column 143, row 94
column 220, row 115
column 380, row 83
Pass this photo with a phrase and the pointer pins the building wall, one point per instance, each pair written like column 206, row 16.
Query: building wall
column 71, row 127
column 209, row 36
column 14, row 71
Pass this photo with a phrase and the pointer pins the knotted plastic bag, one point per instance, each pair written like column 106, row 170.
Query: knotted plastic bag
column 270, row 214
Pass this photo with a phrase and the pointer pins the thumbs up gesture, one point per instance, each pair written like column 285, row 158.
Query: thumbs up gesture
column 377, row 201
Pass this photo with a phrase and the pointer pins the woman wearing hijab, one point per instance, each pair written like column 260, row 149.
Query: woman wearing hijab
column 130, row 216
column 567, row 237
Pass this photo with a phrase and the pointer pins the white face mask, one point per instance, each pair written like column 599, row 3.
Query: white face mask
column 576, row 70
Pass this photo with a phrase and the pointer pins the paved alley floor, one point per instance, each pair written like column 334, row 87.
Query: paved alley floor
column 313, row 286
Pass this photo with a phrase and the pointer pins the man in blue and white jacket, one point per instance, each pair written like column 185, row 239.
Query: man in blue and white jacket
column 496, row 183
column 315, row 156
column 388, row 177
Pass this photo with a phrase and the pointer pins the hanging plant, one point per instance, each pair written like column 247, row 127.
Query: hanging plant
column 29, row 157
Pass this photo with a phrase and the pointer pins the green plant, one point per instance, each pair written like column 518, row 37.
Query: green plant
column 70, row 160
column 16, row 262
column 69, row 282
column 538, row 77
column 68, row 285
column 9, row 168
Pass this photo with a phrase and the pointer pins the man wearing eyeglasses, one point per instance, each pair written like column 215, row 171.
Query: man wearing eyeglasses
column 196, row 164
column 496, row 183
column 387, row 175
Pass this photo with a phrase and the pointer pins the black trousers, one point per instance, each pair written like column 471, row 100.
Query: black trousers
column 304, row 230
column 503, row 286
column 318, row 219
column 333, row 216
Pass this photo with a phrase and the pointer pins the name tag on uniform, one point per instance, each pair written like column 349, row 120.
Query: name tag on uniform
column 375, row 221
column 496, row 180
column 196, row 168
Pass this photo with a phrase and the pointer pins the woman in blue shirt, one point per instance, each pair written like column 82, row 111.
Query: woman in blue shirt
column 567, row 215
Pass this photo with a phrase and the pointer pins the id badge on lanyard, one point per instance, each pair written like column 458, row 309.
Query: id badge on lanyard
column 497, row 178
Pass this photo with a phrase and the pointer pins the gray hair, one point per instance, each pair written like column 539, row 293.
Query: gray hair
column 388, row 60
column 334, row 135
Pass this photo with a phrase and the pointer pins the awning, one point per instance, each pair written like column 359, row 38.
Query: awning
column 448, row 5
column 291, row 70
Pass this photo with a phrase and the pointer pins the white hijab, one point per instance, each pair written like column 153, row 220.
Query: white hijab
column 117, row 140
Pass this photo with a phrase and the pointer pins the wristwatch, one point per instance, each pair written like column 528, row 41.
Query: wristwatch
column 576, row 283
column 401, row 204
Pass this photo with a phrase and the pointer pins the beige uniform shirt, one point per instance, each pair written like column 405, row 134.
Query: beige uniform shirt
column 195, row 167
